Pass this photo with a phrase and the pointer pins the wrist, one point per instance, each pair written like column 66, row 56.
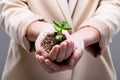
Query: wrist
column 89, row 35
column 34, row 29
column 31, row 33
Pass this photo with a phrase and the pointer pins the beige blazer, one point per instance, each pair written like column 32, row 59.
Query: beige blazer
column 17, row 15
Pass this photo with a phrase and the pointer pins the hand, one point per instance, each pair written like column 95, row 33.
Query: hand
column 35, row 33
column 50, row 66
column 78, row 48
column 50, row 30
column 53, row 67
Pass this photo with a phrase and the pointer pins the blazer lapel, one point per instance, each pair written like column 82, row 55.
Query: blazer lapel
column 72, row 5
column 63, row 5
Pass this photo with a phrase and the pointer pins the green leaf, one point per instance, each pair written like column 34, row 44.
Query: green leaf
column 56, row 23
column 59, row 37
column 67, row 28
column 63, row 23
column 58, row 29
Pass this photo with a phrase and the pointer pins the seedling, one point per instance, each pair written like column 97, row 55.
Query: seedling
column 59, row 27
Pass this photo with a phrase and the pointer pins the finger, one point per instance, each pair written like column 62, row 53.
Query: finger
column 76, row 56
column 39, row 58
column 41, row 51
column 52, row 65
column 39, row 40
column 38, row 48
column 70, row 48
column 56, row 67
column 43, row 65
column 54, row 52
column 47, row 68
column 61, row 55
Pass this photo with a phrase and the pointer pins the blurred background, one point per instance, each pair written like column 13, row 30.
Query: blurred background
column 4, row 44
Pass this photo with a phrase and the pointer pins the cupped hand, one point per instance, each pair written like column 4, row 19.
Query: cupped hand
column 47, row 29
column 77, row 52
column 70, row 49
column 58, row 52
column 79, row 47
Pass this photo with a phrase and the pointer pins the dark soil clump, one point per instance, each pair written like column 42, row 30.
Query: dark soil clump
column 50, row 41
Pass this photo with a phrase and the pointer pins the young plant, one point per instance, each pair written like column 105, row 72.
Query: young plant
column 59, row 27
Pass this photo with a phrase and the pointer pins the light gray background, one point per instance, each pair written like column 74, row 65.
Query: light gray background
column 115, row 50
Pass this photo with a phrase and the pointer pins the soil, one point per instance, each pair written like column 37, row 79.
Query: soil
column 50, row 41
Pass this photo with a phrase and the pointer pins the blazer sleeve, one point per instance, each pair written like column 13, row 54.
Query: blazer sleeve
column 107, row 21
column 15, row 17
